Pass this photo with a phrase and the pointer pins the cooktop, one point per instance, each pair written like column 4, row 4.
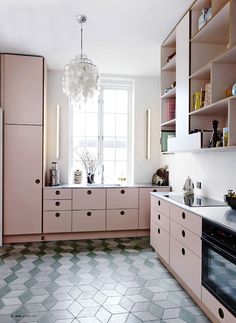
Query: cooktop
column 195, row 200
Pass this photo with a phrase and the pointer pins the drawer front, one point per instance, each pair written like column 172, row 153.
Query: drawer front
column 88, row 220
column 54, row 205
column 217, row 309
column 186, row 264
column 186, row 237
column 122, row 219
column 89, row 198
column 187, row 219
column 163, row 243
column 153, row 236
column 160, row 205
column 161, row 220
column 54, row 221
column 57, row 193
column 122, row 198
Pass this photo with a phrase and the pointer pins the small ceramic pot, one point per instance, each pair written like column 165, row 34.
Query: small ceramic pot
column 234, row 89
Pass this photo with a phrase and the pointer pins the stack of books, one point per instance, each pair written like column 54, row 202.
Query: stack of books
column 170, row 109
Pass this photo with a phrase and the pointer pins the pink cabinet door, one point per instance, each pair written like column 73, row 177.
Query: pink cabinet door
column 123, row 219
column 162, row 243
column 144, row 205
column 88, row 198
column 55, row 205
column 153, row 235
column 56, row 221
column 88, row 220
column 22, row 179
column 50, row 193
column 22, row 89
column 122, row 198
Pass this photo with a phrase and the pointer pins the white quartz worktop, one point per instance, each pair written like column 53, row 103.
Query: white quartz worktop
column 106, row 186
column 222, row 215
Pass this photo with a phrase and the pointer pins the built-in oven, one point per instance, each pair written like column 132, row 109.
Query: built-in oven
column 219, row 263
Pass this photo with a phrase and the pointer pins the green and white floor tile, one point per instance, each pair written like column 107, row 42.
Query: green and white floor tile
column 110, row 280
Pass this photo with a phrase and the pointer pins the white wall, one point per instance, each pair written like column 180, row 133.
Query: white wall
column 146, row 97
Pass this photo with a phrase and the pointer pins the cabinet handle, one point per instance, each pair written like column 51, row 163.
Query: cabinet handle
column 37, row 181
column 159, row 217
column 89, row 192
column 57, row 214
column 158, row 230
column 221, row 313
column 57, row 192
column 183, row 215
column 155, row 190
column 57, row 203
column 122, row 191
column 183, row 251
column 89, row 213
column 159, row 203
column 122, row 212
column 183, row 233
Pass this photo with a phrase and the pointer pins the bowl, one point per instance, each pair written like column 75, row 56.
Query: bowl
column 231, row 201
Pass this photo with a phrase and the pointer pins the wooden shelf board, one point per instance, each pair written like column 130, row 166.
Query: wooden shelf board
column 171, row 65
column 216, row 149
column 228, row 57
column 202, row 73
column 200, row 4
column 169, row 94
column 168, row 123
column 219, row 108
column 216, row 29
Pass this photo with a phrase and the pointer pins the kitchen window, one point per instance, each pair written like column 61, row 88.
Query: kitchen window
column 103, row 126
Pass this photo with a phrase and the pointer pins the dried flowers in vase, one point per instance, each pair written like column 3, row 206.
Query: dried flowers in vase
column 90, row 163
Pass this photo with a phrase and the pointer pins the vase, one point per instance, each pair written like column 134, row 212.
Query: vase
column 90, row 178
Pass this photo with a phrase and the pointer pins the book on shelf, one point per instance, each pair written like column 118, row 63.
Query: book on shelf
column 170, row 109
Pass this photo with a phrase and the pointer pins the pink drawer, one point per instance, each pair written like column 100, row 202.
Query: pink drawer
column 123, row 219
column 57, row 193
column 54, row 205
column 56, row 221
column 217, row 309
column 186, row 264
column 153, row 235
column 186, row 237
column 122, row 198
column 163, row 243
column 160, row 205
column 187, row 219
column 88, row 220
column 89, row 198
column 161, row 220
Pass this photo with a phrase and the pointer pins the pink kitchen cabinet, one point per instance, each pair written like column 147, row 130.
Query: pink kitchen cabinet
column 88, row 220
column 22, row 179
column 22, row 89
column 122, row 219
column 88, row 198
column 126, row 198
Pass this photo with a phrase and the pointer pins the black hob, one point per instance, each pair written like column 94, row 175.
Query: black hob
column 195, row 200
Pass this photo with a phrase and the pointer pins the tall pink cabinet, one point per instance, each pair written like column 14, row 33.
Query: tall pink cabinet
column 22, row 100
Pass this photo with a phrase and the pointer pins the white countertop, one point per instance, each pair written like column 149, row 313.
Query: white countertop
column 222, row 215
column 104, row 186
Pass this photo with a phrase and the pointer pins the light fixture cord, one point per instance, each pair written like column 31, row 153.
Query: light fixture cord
column 81, row 41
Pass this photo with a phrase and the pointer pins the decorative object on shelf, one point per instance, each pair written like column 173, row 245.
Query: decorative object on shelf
column 197, row 100
column 204, row 17
column 215, row 137
column 225, row 137
column 54, row 175
column 234, row 89
column 81, row 75
column 165, row 135
column 77, row 176
column 90, row 163
column 161, row 177
column 188, row 187
column 170, row 57
column 203, row 91
column 230, row 199
column 228, row 92
column 170, row 109
column 207, row 100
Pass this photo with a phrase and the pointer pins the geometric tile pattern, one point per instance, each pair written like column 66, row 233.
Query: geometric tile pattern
column 108, row 280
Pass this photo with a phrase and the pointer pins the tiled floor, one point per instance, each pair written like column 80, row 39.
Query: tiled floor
column 112, row 280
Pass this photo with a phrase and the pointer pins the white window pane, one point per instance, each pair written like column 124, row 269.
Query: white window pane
column 91, row 124
column 109, row 125
column 121, row 169
column 121, row 125
column 109, row 171
column 78, row 124
column 109, row 149
column 109, row 100
column 121, row 101
column 92, row 104
column 121, row 149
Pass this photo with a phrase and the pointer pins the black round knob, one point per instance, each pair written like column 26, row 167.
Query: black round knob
column 89, row 213
column 154, row 190
column 37, row 181
column 183, row 215
column 89, row 192
column 159, row 203
column 159, row 217
column 183, row 233
column 122, row 212
column 57, row 203
column 57, row 192
column 57, row 215
column 122, row 191
column 221, row 313
column 183, row 251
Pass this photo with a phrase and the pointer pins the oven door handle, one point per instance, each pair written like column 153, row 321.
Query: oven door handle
column 221, row 251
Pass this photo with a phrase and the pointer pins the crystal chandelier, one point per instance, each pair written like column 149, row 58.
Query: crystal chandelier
column 81, row 76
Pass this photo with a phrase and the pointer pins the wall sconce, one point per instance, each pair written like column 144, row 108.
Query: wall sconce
column 148, row 133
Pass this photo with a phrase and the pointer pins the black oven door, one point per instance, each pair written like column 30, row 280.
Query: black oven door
column 219, row 274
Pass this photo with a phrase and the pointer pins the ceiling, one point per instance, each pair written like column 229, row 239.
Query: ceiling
column 120, row 36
